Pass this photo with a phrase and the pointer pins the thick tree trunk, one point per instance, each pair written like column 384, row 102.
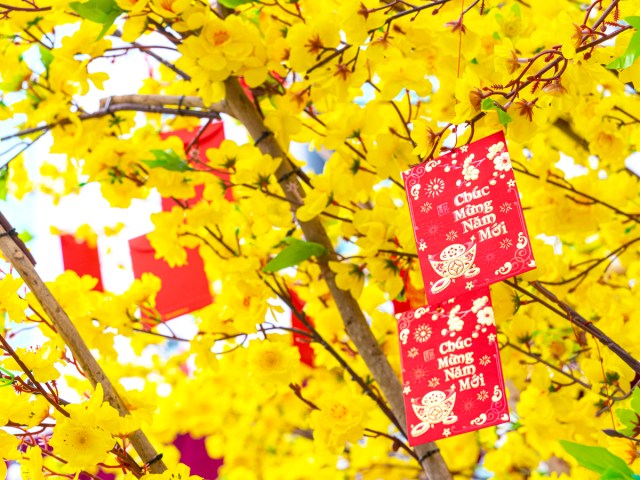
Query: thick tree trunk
column 239, row 106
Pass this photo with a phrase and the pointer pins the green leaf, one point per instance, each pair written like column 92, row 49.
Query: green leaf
column 25, row 236
column 295, row 252
column 630, row 55
column 503, row 117
column 98, row 11
column 12, row 84
column 598, row 459
column 234, row 3
column 516, row 9
column 4, row 175
column 633, row 21
column 489, row 104
column 34, row 22
column 169, row 160
column 613, row 474
column 635, row 400
column 46, row 57
column 629, row 419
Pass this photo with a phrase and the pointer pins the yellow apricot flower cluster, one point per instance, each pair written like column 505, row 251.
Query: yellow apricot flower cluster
column 371, row 87
column 223, row 48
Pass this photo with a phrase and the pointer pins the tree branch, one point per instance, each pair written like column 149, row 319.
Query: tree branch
column 239, row 106
column 67, row 330
column 567, row 312
column 138, row 103
column 11, row 8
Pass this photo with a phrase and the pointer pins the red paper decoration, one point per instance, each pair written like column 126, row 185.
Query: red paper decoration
column 80, row 257
column 300, row 340
column 184, row 289
column 452, row 377
column 470, row 233
column 211, row 137
column 193, row 453
column 468, row 221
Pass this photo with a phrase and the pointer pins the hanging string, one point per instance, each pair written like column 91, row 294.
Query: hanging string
column 604, row 375
column 460, row 36
column 606, row 384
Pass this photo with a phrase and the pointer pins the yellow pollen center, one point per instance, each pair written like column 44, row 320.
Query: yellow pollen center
column 220, row 37
column 339, row 412
column 269, row 359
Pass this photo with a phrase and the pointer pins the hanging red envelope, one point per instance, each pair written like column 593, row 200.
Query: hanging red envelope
column 467, row 217
column 82, row 258
column 184, row 289
column 211, row 137
column 451, row 371
column 299, row 339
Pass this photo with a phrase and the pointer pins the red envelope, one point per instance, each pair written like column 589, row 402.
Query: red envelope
column 299, row 340
column 81, row 258
column 467, row 218
column 184, row 289
column 212, row 137
column 451, row 371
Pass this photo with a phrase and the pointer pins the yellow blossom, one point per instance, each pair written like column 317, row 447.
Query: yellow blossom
column 341, row 418
column 11, row 303
column 83, row 445
column 164, row 237
column 272, row 362
column 349, row 276
column 315, row 203
column 31, row 464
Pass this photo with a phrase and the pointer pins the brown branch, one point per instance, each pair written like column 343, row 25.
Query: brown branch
column 298, row 392
column 283, row 294
column 74, row 341
column 240, row 107
column 147, row 50
column 397, row 443
column 578, row 320
column 7, row 347
column 565, row 127
column 11, row 8
column 594, row 263
column 570, row 188
column 327, row 59
column 183, row 101
column 605, row 14
column 398, row 253
column 602, row 39
column 137, row 103
column 414, row 10
column 538, row 358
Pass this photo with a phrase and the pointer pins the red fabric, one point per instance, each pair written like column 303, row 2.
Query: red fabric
column 212, row 137
column 193, row 453
column 299, row 340
column 81, row 258
column 184, row 289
